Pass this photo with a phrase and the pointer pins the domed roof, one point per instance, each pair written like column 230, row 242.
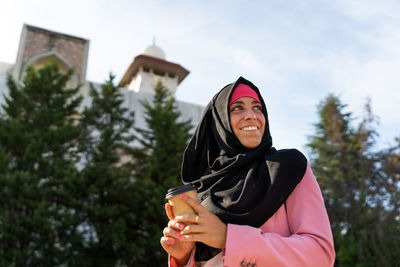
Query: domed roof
column 154, row 51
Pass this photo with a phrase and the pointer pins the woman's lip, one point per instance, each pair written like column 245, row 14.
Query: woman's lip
column 249, row 128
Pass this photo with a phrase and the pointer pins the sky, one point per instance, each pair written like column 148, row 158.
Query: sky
column 296, row 52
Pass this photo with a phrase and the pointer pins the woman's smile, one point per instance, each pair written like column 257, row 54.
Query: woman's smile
column 247, row 121
column 249, row 128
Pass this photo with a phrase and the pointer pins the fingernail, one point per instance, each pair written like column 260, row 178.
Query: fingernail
column 183, row 196
column 171, row 241
column 178, row 235
column 181, row 226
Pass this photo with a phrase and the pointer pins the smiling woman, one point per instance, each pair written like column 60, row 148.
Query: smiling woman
column 258, row 206
column 246, row 118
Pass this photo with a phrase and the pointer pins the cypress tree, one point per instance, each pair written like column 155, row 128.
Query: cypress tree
column 164, row 142
column 388, row 205
column 349, row 172
column 120, row 209
column 109, row 195
column 38, row 135
column 165, row 138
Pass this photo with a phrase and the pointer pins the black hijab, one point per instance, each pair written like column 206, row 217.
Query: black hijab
column 240, row 185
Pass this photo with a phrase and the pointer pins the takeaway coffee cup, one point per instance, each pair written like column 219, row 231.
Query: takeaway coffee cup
column 179, row 206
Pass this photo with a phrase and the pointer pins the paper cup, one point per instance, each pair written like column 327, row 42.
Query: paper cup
column 179, row 206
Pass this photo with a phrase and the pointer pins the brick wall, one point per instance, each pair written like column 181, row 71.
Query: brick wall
column 39, row 41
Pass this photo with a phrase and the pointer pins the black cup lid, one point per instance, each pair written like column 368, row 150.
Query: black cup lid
column 179, row 190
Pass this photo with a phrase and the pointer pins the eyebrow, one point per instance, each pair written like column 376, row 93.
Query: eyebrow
column 241, row 102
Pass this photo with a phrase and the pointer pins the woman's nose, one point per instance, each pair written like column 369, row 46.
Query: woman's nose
column 250, row 115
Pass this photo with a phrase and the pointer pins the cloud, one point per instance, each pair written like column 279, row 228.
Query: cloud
column 362, row 10
column 373, row 72
column 295, row 52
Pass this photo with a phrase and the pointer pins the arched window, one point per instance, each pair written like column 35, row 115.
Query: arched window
column 63, row 65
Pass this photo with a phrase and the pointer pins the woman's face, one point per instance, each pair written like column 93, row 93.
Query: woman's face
column 247, row 121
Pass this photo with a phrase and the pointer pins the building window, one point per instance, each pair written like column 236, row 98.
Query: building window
column 159, row 73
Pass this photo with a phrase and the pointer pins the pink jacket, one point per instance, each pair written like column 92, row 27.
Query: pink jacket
column 298, row 234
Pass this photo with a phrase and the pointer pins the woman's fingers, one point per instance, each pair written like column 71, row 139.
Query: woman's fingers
column 201, row 227
column 174, row 224
column 188, row 234
column 197, row 237
column 170, row 213
column 214, row 239
column 192, row 228
column 204, row 227
column 171, row 233
column 165, row 241
column 189, row 219
column 174, row 229
column 194, row 204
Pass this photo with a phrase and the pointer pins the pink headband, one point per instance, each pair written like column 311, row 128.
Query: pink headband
column 243, row 90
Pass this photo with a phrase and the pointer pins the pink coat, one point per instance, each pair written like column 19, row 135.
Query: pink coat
column 298, row 234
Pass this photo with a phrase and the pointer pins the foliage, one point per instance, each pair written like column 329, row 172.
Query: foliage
column 123, row 210
column 73, row 189
column 75, row 192
column 116, row 219
column 164, row 141
column 38, row 132
column 166, row 137
column 354, row 186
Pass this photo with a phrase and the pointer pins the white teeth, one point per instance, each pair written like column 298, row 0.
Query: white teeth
column 250, row 128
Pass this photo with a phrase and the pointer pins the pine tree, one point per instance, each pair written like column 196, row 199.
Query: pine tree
column 164, row 141
column 388, row 205
column 105, row 180
column 119, row 210
column 166, row 137
column 350, row 175
column 38, row 134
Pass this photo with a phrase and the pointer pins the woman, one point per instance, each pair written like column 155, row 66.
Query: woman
column 259, row 206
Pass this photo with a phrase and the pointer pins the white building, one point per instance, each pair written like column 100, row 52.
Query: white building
column 38, row 45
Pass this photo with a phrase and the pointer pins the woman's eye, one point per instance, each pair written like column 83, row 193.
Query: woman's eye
column 235, row 108
column 257, row 107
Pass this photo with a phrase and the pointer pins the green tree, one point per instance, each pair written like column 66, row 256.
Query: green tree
column 349, row 172
column 120, row 209
column 389, row 201
column 164, row 142
column 108, row 213
column 38, row 135
column 165, row 138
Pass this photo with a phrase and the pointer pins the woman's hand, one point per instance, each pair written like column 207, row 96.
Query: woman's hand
column 206, row 227
column 172, row 239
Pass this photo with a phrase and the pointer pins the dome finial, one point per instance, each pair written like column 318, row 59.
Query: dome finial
column 154, row 51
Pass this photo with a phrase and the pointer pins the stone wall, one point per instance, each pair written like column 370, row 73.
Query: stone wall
column 37, row 42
